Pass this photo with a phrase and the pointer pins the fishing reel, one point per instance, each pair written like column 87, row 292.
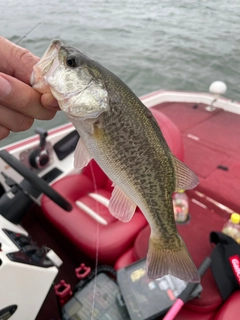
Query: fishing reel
column 40, row 157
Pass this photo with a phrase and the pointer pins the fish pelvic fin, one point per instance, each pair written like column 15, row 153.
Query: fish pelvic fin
column 81, row 155
column 185, row 178
column 121, row 206
column 162, row 261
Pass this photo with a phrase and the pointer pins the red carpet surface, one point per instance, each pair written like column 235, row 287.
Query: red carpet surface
column 212, row 148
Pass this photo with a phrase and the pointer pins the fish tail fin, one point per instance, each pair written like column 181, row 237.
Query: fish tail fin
column 162, row 261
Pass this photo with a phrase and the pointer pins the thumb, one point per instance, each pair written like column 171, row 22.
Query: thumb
column 16, row 61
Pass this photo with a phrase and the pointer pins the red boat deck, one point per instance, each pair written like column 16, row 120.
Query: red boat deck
column 211, row 148
column 212, row 151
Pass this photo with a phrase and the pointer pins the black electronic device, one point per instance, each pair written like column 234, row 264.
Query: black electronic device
column 29, row 252
column 145, row 298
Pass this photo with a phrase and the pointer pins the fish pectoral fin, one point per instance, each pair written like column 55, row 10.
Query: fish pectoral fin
column 185, row 178
column 81, row 155
column 162, row 261
column 121, row 206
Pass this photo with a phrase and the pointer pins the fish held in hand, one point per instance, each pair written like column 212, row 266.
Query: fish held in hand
column 120, row 133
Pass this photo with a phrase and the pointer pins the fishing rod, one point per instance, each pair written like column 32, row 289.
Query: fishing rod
column 23, row 37
column 185, row 294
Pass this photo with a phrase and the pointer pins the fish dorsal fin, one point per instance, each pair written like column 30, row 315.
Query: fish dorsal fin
column 81, row 155
column 121, row 206
column 185, row 178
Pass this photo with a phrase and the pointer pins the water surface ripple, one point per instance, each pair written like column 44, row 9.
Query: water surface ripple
column 176, row 45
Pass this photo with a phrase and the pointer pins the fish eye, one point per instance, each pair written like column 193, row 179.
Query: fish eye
column 71, row 62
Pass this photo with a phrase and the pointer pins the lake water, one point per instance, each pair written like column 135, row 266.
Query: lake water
column 150, row 45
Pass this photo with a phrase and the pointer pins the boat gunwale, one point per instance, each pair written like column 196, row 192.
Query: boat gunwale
column 150, row 100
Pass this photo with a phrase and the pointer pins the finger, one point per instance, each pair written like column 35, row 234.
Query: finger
column 24, row 99
column 13, row 120
column 48, row 101
column 16, row 61
column 4, row 132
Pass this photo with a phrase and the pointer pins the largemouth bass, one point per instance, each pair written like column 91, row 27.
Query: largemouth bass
column 120, row 133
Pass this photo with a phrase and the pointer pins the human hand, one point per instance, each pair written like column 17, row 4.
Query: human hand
column 20, row 104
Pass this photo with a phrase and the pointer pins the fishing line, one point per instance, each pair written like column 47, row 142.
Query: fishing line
column 26, row 34
column 97, row 244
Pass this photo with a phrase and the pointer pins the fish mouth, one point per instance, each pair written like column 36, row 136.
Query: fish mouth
column 46, row 66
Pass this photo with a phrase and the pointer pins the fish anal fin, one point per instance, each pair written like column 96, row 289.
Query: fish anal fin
column 185, row 177
column 121, row 206
column 81, row 155
column 162, row 261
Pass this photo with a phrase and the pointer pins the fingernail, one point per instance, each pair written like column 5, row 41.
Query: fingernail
column 5, row 87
